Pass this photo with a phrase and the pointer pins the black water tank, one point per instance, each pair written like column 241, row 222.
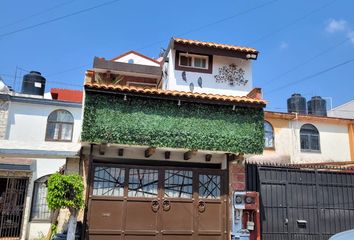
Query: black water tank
column 317, row 106
column 297, row 104
column 33, row 83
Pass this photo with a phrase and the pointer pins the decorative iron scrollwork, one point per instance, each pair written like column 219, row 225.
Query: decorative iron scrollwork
column 231, row 74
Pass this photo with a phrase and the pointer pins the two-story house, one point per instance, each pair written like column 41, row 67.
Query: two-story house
column 163, row 141
column 301, row 136
column 39, row 134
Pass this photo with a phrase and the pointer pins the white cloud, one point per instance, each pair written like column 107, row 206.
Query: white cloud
column 340, row 25
column 336, row 25
column 351, row 36
column 283, row 45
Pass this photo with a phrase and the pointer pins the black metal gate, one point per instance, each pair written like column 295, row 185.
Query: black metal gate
column 302, row 204
column 12, row 199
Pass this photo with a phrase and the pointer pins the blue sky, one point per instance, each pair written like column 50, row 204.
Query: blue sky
column 296, row 39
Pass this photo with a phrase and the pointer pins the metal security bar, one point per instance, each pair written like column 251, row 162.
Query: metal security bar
column 12, row 198
column 302, row 204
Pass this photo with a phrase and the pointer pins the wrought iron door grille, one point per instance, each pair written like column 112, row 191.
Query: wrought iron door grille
column 13, row 193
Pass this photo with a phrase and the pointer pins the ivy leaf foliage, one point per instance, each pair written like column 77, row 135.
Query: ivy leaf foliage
column 162, row 123
column 65, row 191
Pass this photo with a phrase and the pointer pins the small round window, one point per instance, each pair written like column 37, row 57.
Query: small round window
column 131, row 61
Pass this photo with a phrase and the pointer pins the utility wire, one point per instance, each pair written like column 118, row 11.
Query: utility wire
column 213, row 23
column 312, row 75
column 59, row 18
column 67, row 70
column 37, row 14
column 274, row 79
column 287, row 25
column 182, row 34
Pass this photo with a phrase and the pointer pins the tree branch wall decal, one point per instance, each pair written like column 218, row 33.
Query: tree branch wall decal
column 231, row 74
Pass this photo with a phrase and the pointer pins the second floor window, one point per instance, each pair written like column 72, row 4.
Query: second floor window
column 268, row 135
column 309, row 138
column 60, row 126
column 194, row 61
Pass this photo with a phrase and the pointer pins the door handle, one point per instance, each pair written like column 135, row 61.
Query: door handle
column 201, row 206
column 155, row 205
column 166, row 205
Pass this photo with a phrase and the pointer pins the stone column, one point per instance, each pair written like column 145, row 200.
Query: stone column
column 4, row 114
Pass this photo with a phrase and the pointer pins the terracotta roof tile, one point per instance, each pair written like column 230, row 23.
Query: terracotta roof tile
column 215, row 45
column 68, row 95
column 155, row 91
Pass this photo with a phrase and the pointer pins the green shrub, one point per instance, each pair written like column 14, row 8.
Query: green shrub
column 65, row 191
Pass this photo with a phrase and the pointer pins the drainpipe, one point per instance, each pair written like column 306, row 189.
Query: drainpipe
column 295, row 141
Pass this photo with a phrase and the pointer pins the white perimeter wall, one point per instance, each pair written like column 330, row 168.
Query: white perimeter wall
column 40, row 168
column 137, row 60
column 27, row 121
column 175, row 81
column 343, row 111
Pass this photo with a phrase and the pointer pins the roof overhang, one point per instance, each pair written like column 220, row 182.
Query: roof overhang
column 310, row 118
column 211, row 48
column 241, row 101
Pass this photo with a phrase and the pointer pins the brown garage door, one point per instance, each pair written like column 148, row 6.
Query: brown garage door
column 157, row 203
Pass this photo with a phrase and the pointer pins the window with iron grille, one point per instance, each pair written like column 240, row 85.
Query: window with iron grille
column 268, row 135
column 40, row 210
column 60, row 126
column 309, row 138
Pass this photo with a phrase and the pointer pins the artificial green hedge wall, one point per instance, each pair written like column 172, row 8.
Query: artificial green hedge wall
column 162, row 123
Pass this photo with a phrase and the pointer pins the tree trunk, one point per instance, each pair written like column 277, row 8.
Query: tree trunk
column 72, row 224
column 53, row 221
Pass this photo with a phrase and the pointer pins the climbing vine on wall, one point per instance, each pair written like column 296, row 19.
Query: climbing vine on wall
column 162, row 123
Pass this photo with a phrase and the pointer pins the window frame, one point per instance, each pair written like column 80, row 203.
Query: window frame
column 192, row 68
column 60, row 127
column 273, row 137
column 193, row 57
column 38, row 181
column 308, row 135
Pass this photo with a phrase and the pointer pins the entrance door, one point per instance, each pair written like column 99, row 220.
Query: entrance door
column 157, row 203
column 12, row 199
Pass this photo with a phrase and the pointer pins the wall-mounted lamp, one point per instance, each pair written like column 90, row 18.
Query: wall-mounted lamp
column 251, row 56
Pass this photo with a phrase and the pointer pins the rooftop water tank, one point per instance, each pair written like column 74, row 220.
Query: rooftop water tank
column 33, row 83
column 297, row 104
column 317, row 106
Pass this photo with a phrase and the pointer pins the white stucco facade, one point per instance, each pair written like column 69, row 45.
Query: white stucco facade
column 333, row 138
column 173, row 80
column 25, row 131
column 134, row 58
column 343, row 111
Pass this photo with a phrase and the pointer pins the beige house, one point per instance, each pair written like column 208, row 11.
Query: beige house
column 299, row 138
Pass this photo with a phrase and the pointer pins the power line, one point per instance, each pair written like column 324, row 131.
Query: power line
column 312, row 75
column 67, row 70
column 183, row 34
column 272, row 80
column 37, row 14
column 230, row 17
column 287, row 25
column 213, row 23
column 59, row 18
column 49, row 81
